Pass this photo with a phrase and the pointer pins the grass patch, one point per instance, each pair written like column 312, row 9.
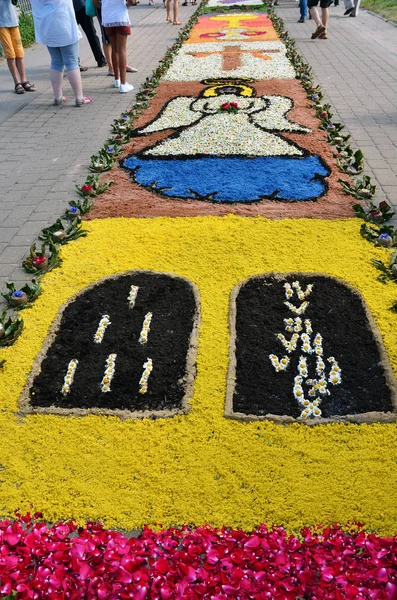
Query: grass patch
column 385, row 8
column 26, row 28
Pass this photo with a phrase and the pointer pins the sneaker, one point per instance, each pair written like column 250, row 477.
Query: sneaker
column 126, row 87
column 116, row 83
column 131, row 69
column 301, row 20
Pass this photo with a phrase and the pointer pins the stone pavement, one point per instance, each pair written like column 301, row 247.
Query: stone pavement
column 357, row 67
column 45, row 150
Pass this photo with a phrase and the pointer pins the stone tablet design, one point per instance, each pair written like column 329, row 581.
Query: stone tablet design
column 304, row 347
column 124, row 346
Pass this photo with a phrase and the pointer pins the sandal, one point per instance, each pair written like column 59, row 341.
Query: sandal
column 131, row 69
column 19, row 88
column 84, row 100
column 28, row 87
column 323, row 36
column 58, row 102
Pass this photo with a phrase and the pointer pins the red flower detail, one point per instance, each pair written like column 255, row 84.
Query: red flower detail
column 63, row 562
column 225, row 106
column 39, row 260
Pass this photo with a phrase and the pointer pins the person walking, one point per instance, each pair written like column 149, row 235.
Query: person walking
column 87, row 25
column 322, row 23
column 117, row 24
column 175, row 9
column 351, row 8
column 303, row 11
column 10, row 39
column 56, row 27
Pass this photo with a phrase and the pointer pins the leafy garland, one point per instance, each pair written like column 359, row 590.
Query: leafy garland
column 350, row 162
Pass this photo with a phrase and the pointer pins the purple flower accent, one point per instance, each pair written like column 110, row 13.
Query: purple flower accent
column 17, row 294
column 314, row 96
column 73, row 210
column 110, row 149
column 384, row 236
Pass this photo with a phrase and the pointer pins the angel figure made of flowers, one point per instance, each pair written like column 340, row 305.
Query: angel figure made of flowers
column 228, row 147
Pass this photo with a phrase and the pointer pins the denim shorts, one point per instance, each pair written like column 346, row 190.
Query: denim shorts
column 64, row 57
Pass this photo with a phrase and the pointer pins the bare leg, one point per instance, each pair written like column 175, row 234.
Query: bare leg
column 122, row 56
column 21, row 68
column 176, row 8
column 325, row 15
column 107, row 50
column 315, row 16
column 74, row 77
column 115, row 58
column 13, row 70
column 56, row 82
column 168, row 7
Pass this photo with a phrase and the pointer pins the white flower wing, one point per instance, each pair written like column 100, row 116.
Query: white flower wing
column 176, row 113
column 274, row 116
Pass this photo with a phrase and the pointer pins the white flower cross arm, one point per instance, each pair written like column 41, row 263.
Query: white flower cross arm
column 176, row 113
column 274, row 116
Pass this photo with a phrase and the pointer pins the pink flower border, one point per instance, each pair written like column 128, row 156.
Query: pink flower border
column 64, row 561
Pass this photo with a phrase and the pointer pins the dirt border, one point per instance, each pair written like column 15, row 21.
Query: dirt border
column 369, row 417
column 190, row 374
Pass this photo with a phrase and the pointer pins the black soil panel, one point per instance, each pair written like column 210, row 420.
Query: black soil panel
column 338, row 314
column 172, row 303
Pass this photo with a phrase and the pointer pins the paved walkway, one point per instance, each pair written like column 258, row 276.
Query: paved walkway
column 45, row 150
column 357, row 67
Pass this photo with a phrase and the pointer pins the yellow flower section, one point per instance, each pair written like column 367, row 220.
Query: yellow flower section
column 200, row 467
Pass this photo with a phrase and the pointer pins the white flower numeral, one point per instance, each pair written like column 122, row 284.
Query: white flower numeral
column 147, row 369
column 68, row 380
column 109, row 373
column 145, row 328
column 318, row 386
column 132, row 295
column 100, row 332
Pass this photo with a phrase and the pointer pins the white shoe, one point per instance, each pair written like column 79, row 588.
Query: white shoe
column 116, row 83
column 126, row 87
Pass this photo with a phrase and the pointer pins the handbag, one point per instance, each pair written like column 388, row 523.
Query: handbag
column 89, row 8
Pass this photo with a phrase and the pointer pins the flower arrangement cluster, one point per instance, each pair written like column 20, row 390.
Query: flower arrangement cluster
column 68, row 380
column 143, row 382
column 355, row 582
column 145, row 328
column 229, row 107
column 109, row 373
column 64, row 561
column 209, row 60
column 100, row 332
column 132, row 295
column 318, row 385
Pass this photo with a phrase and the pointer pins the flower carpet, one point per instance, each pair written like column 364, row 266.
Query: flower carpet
column 211, row 352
